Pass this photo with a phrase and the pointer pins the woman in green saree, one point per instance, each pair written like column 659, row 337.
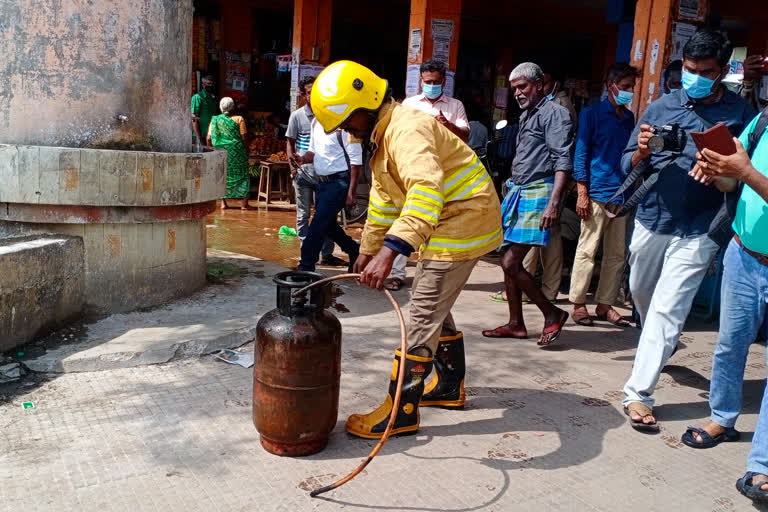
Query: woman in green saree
column 228, row 131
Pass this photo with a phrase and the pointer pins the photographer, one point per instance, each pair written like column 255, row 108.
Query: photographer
column 670, row 250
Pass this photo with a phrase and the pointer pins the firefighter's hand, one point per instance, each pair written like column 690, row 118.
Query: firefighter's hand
column 550, row 217
column 378, row 269
column 361, row 262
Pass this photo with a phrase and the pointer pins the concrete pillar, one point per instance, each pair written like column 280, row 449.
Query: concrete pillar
column 311, row 38
column 442, row 15
column 68, row 69
column 652, row 46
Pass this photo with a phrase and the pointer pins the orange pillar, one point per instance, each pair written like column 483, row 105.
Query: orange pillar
column 651, row 48
column 433, row 33
column 311, row 38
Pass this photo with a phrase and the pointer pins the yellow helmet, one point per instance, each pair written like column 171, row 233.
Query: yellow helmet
column 343, row 88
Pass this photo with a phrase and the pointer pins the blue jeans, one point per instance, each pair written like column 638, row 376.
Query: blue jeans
column 743, row 305
column 330, row 198
column 305, row 194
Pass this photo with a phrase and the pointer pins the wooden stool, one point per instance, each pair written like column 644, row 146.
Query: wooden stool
column 274, row 182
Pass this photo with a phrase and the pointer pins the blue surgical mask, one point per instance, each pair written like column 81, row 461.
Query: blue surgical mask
column 623, row 98
column 432, row 91
column 697, row 86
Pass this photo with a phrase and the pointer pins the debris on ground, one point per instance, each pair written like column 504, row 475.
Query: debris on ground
column 244, row 359
column 11, row 372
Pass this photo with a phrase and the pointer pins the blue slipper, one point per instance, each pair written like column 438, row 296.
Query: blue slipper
column 750, row 490
column 707, row 441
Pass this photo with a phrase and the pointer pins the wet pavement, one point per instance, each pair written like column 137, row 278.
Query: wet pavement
column 256, row 233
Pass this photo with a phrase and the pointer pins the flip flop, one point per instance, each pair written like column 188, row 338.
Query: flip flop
column 618, row 321
column 643, row 410
column 751, row 490
column 497, row 297
column 550, row 334
column 502, row 332
column 707, row 441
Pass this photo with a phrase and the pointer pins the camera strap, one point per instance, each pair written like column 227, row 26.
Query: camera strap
column 642, row 171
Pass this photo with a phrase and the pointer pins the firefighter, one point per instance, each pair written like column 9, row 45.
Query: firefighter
column 430, row 194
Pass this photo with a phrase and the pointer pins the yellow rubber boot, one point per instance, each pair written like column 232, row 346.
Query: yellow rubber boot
column 446, row 389
column 373, row 424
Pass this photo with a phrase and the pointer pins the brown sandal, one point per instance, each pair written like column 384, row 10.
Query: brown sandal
column 612, row 316
column 581, row 317
column 642, row 410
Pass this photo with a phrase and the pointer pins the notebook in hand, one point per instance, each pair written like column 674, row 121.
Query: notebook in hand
column 717, row 139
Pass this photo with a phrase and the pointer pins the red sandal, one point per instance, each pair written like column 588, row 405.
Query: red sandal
column 550, row 334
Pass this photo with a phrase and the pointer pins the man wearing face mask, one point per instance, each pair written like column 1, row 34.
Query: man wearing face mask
column 449, row 112
column 532, row 205
column 673, row 77
column 604, row 130
column 204, row 107
column 670, row 249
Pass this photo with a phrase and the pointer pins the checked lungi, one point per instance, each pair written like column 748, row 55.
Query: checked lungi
column 522, row 209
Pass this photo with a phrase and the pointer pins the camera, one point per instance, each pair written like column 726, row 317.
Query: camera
column 669, row 137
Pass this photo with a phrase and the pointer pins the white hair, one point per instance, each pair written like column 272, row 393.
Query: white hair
column 227, row 105
column 527, row 70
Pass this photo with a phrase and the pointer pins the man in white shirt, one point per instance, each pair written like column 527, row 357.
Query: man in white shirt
column 450, row 112
column 337, row 165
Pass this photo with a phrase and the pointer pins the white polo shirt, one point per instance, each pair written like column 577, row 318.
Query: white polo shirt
column 452, row 109
column 329, row 155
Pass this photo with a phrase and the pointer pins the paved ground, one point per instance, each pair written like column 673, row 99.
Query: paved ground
column 543, row 430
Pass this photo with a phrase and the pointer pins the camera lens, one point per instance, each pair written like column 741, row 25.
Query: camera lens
column 656, row 144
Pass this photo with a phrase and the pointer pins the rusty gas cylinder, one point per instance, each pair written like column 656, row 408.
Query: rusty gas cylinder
column 297, row 368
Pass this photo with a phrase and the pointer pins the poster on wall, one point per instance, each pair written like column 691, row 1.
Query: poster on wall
column 237, row 69
column 501, row 97
column 412, row 80
column 442, row 35
column 309, row 70
column 414, row 46
column 283, row 63
column 449, row 83
column 681, row 33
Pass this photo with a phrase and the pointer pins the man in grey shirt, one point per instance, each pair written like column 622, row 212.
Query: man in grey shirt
column 532, row 205
column 304, row 180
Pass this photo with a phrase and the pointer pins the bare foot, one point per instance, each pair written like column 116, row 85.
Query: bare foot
column 761, row 478
column 507, row 331
column 648, row 419
column 557, row 317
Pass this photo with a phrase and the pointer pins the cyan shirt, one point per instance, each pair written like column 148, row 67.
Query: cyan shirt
column 600, row 143
column 677, row 204
column 751, row 222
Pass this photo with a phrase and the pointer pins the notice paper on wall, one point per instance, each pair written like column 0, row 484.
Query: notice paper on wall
column 441, row 50
column 449, row 83
column 442, row 29
column 412, row 80
column 414, row 47
column 501, row 97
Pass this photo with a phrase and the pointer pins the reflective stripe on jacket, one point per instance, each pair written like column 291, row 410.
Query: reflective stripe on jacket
column 429, row 189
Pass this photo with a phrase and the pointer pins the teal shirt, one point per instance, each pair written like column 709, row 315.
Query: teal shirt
column 751, row 222
column 204, row 106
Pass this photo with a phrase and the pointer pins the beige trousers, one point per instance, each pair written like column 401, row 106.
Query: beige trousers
column 436, row 286
column 612, row 232
column 552, row 263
